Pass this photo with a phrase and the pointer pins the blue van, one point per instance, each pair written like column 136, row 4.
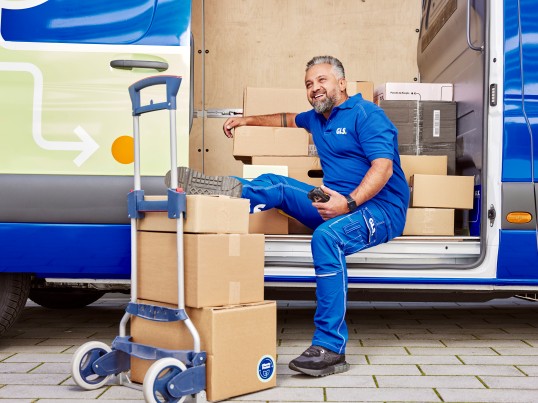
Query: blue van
column 65, row 167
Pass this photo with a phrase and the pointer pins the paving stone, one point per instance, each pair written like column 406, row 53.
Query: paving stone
column 517, row 351
column 428, row 381
column 486, row 343
column 506, row 370
column 50, row 392
column 53, row 368
column 285, row 394
column 381, row 395
column 489, row 395
column 402, row 343
column 24, row 357
column 452, row 351
column 500, row 360
column 413, row 359
column 529, row 370
column 510, row 382
column 32, row 379
column 384, row 370
column 339, row 380
column 6, row 368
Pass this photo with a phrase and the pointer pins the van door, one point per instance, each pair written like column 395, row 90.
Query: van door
column 518, row 255
column 65, row 111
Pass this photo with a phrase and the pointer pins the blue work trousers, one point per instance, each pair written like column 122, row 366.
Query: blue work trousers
column 332, row 241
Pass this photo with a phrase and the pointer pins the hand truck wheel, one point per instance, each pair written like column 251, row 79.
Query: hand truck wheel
column 156, row 380
column 81, row 365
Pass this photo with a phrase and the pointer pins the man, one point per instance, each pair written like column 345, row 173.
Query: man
column 358, row 150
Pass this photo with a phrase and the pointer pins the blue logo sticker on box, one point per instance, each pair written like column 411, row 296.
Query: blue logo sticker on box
column 266, row 368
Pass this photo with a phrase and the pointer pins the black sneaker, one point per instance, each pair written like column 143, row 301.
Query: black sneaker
column 318, row 361
column 196, row 183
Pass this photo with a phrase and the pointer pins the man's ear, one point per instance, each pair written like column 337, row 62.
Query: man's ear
column 342, row 84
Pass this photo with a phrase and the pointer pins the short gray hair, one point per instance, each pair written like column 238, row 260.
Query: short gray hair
column 336, row 64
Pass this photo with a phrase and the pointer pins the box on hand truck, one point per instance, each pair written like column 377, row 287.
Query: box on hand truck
column 175, row 374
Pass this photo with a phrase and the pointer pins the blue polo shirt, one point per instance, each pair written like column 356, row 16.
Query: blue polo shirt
column 356, row 133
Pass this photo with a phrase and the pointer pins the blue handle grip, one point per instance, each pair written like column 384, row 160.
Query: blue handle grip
column 172, row 87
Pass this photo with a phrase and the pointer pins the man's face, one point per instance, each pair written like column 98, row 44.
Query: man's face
column 323, row 89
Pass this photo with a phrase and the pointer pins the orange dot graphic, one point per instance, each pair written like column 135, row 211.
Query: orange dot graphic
column 123, row 149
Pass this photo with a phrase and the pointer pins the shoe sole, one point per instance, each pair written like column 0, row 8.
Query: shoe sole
column 196, row 183
column 333, row 369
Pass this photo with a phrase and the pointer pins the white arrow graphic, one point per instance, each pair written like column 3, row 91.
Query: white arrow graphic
column 87, row 145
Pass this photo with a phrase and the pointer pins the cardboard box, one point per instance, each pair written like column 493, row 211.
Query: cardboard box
column 297, row 228
column 446, row 149
column 304, row 169
column 265, row 101
column 425, row 123
column 240, row 342
column 220, row 269
column 204, row 214
column 251, row 141
column 365, row 88
column 429, row 221
column 442, row 191
column 414, row 92
column 423, row 164
column 271, row 222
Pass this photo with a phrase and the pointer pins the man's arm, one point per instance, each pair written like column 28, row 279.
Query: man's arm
column 274, row 120
column 372, row 183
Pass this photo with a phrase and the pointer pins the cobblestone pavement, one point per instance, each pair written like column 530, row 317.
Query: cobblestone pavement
column 404, row 352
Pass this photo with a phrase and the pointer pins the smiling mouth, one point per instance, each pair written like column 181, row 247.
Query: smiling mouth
column 318, row 96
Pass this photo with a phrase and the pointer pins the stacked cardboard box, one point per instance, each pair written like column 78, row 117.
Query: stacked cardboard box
column 277, row 146
column 224, row 287
column 425, row 128
column 434, row 195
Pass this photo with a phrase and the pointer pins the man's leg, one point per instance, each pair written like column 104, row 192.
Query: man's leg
column 265, row 192
column 287, row 194
column 331, row 242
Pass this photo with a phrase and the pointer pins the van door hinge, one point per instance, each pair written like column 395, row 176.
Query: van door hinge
column 491, row 215
column 218, row 113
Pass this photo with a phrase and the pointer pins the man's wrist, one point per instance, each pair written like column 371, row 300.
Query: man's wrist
column 351, row 203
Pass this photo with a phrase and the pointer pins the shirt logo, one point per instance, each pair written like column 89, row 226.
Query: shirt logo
column 341, row 130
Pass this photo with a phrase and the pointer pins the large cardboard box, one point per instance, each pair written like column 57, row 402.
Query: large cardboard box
column 304, row 169
column 423, row 164
column 414, row 92
column 251, row 141
column 265, row 101
column 240, row 342
column 204, row 214
column 220, row 269
column 425, row 122
column 442, row 191
column 271, row 222
column 429, row 221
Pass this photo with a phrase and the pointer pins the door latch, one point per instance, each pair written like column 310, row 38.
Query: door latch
column 491, row 215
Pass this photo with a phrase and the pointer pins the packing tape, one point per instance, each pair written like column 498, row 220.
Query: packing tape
column 234, row 245
column 234, row 294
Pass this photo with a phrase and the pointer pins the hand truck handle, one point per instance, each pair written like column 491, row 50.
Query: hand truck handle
column 172, row 87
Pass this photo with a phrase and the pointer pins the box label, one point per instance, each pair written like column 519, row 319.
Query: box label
column 436, row 123
column 266, row 368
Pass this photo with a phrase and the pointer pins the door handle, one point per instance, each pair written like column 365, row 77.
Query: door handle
column 469, row 43
column 141, row 64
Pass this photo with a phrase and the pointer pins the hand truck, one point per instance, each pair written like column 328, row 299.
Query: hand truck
column 175, row 374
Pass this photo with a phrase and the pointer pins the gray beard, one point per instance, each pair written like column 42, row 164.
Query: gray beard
column 324, row 106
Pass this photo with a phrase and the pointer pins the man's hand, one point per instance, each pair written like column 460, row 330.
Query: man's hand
column 337, row 205
column 232, row 123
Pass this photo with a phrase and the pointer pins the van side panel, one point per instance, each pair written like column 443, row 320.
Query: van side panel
column 518, row 255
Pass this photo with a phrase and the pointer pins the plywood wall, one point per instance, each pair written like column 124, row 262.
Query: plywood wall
column 266, row 43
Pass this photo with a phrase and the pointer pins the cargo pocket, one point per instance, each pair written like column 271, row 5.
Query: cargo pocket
column 377, row 231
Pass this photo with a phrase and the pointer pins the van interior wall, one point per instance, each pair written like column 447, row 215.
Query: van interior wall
column 255, row 43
